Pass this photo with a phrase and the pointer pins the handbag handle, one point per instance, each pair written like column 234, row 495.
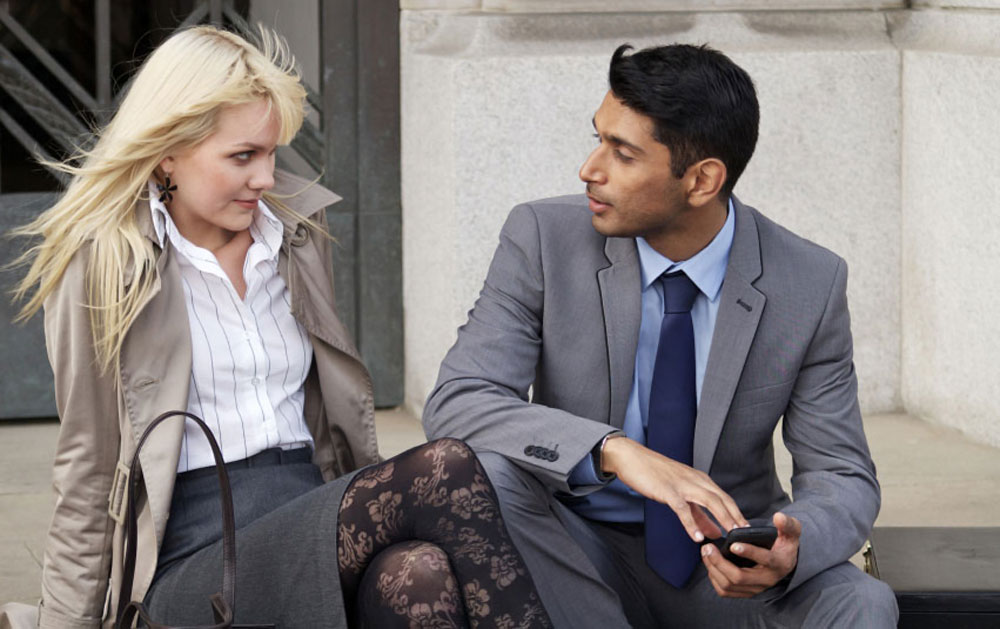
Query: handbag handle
column 222, row 604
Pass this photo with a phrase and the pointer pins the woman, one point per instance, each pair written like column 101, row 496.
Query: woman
column 181, row 271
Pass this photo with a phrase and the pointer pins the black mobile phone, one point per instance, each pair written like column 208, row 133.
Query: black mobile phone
column 762, row 536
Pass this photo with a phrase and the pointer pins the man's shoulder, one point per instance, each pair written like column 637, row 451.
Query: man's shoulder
column 563, row 219
column 572, row 207
column 780, row 244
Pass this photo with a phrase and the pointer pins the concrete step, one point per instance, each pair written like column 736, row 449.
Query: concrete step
column 930, row 475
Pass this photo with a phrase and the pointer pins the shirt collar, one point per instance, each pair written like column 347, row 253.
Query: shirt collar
column 706, row 269
column 265, row 229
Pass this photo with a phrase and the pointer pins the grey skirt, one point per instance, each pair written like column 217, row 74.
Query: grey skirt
column 286, row 545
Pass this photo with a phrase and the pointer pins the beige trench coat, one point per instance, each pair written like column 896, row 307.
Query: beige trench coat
column 102, row 416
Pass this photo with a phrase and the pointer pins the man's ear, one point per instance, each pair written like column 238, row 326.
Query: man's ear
column 704, row 181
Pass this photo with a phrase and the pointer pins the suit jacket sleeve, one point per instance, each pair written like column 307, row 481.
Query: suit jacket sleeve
column 481, row 395
column 77, row 559
column 836, row 494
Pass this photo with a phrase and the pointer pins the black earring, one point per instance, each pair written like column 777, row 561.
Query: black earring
column 165, row 190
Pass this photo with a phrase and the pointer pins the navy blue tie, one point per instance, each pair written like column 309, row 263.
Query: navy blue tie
column 670, row 427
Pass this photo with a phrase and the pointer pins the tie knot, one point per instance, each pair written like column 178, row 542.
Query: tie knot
column 678, row 292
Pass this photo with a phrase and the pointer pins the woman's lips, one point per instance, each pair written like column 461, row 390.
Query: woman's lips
column 247, row 203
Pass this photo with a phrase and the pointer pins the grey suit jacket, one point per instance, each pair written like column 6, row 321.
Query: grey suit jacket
column 559, row 316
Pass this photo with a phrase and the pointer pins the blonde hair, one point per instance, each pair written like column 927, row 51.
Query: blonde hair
column 171, row 105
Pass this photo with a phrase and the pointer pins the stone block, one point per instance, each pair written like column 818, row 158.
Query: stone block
column 951, row 189
column 497, row 110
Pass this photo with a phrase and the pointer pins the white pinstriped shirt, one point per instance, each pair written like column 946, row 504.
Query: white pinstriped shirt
column 250, row 357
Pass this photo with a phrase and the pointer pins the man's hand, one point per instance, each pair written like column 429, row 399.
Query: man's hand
column 772, row 566
column 680, row 487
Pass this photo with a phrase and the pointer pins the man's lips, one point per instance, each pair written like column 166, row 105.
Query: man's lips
column 596, row 205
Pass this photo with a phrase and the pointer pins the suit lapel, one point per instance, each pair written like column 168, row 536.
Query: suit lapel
column 740, row 308
column 621, row 299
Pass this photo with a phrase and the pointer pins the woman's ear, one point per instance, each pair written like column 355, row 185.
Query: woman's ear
column 166, row 166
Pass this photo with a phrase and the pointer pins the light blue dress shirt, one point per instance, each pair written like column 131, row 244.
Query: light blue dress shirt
column 707, row 269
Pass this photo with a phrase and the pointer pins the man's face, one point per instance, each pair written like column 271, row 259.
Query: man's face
column 631, row 188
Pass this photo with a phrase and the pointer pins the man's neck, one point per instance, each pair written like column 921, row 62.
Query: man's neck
column 692, row 233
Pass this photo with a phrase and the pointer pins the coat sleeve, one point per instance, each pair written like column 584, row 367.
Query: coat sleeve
column 481, row 395
column 77, row 560
column 836, row 494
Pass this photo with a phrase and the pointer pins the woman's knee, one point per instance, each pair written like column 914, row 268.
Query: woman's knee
column 408, row 573
column 451, row 456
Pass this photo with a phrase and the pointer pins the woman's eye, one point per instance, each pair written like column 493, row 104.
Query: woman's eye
column 244, row 156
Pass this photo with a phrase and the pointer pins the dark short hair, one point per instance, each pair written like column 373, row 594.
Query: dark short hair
column 702, row 104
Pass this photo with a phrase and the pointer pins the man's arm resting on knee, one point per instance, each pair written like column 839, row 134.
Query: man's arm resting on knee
column 481, row 395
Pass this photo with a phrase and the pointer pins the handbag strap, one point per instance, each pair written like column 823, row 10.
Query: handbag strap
column 222, row 604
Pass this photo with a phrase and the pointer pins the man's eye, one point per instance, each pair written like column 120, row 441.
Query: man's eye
column 597, row 136
column 622, row 157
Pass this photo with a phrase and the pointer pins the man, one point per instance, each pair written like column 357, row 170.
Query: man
column 663, row 328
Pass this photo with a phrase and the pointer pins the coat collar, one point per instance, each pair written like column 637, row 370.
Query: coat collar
column 302, row 195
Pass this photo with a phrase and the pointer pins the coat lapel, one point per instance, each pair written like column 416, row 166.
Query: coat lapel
column 156, row 373
column 740, row 309
column 621, row 299
column 312, row 303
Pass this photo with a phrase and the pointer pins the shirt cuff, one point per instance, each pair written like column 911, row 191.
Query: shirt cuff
column 585, row 472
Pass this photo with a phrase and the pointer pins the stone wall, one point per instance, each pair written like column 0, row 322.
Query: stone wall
column 878, row 130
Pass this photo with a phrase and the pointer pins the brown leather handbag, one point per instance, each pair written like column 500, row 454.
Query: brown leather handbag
column 223, row 604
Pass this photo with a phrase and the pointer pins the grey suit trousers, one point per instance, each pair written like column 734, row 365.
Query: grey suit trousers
column 594, row 575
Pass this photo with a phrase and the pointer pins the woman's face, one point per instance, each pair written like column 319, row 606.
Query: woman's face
column 220, row 180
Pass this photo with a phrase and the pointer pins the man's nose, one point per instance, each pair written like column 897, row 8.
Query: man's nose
column 590, row 171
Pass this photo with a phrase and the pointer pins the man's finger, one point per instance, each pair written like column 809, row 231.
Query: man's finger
column 719, row 504
column 683, row 511
column 787, row 526
column 724, row 586
column 705, row 523
column 762, row 556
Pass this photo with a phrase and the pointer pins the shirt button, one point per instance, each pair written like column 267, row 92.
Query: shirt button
column 255, row 382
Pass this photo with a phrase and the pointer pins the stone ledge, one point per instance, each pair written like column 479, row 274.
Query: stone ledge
column 930, row 476
column 645, row 6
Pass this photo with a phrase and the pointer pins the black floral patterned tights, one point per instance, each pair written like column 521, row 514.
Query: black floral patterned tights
column 421, row 544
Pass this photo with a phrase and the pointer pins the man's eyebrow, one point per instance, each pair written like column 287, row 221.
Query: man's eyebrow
column 617, row 141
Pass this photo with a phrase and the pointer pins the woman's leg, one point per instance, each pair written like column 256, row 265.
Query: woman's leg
column 437, row 493
column 410, row 582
